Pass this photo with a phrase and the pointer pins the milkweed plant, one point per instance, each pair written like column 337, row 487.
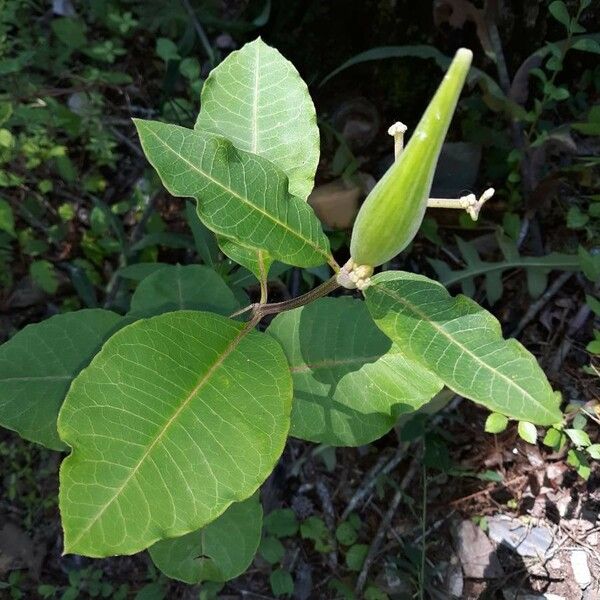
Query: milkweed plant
column 172, row 416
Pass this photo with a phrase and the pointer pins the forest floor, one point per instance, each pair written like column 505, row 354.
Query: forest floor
column 495, row 516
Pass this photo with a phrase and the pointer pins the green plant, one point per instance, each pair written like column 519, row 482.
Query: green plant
column 176, row 413
column 392, row 214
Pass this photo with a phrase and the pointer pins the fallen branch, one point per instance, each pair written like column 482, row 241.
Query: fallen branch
column 384, row 526
column 380, row 468
column 329, row 517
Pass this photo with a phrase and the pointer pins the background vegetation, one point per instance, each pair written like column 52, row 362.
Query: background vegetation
column 83, row 219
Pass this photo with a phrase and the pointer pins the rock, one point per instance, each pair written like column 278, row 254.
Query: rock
column 453, row 580
column 555, row 564
column 357, row 120
column 581, row 569
column 392, row 583
column 515, row 594
column 475, row 552
column 303, row 582
column 591, row 593
column 533, row 541
column 63, row 8
column 336, row 203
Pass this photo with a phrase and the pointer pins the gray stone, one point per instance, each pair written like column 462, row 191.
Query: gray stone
column 525, row 541
column 454, row 581
column 475, row 552
column 581, row 569
column 515, row 594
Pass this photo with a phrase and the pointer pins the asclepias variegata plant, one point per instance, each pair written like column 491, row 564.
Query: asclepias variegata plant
column 175, row 414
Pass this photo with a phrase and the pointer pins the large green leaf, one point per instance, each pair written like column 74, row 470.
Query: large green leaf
column 350, row 382
column 178, row 287
column 257, row 100
column 178, row 416
column 240, row 195
column 38, row 364
column 462, row 343
column 220, row 551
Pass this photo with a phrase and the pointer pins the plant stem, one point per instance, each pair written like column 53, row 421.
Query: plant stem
column 325, row 288
column 555, row 73
column 199, row 31
column 260, row 310
column 264, row 285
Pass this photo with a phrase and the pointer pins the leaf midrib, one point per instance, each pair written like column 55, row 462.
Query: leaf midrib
column 211, row 370
column 255, row 102
column 425, row 317
column 269, row 216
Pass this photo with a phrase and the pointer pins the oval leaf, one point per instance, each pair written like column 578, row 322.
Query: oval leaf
column 527, row 431
column 220, row 551
column 38, row 364
column 462, row 344
column 256, row 99
column 240, row 195
column 178, row 287
column 178, row 416
column 350, row 381
column 496, row 423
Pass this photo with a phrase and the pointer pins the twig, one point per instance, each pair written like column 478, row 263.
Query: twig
column 264, row 278
column 369, row 476
column 138, row 229
column 578, row 321
column 523, row 231
column 200, row 31
column 329, row 514
column 261, row 310
column 535, row 308
column 377, row 471
column 125, row 140
column 380, row 468
column 136, row 233
column 386, row 522
column 489, row 490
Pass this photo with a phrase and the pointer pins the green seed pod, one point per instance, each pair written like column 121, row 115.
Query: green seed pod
column 392, row 213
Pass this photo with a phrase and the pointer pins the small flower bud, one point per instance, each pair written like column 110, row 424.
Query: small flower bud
column 392, row 213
